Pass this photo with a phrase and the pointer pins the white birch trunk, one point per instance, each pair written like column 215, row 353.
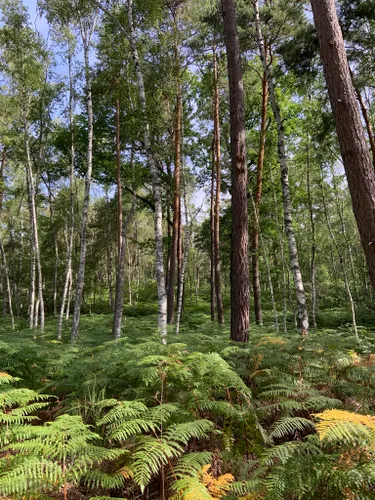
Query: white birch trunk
column 288, row 219
column 70, row 238
column 158, row 221
column 86, row 32
column 34, row 307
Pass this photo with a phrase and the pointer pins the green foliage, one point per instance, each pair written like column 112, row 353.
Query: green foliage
column 167, row 411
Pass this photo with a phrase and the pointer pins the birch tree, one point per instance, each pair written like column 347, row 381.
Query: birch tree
column 288, row 217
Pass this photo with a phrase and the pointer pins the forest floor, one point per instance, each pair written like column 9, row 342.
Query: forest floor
column 284, row 378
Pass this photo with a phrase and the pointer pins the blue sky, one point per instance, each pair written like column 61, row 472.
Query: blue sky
column 38, row 22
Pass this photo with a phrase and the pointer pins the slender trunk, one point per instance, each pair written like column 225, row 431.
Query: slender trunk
column 159, row 265
column 288, row 219
column 69, row 296
column 120, row 268
column 217, row 156
column 55, row 274
column 109, row 276
column 86, row 37
column 2, row 251
column 266, row 260
column 35, row 252
column 340, row 211
column 240, row 283
column 2, row 167
column 212, row 236
column 258, row 193
column 120, row 241
column 181, row 283
column 176, row 196
column 270, row 284
column 169, row 227
column 313, row 239
column 7, row 281
column 280, row 232
column 341, row 258
column 129, row 276
column 359, row 169
column 366, row 117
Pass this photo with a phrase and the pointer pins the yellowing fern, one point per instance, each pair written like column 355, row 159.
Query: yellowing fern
column 217, row 487
column 271, row 340
column 343, row 425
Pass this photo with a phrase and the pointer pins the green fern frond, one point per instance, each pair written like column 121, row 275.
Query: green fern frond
column 190, row 464
column 151, row 454
column 121, row 411
column 287, row 426
column 182, row 433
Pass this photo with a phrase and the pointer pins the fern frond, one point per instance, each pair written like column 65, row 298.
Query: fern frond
column 335, row 426
column 150, row 455
column 289, row 425
column 182, row 433
column 191, row 463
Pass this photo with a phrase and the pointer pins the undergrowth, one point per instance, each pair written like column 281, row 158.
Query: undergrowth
column 279, row 418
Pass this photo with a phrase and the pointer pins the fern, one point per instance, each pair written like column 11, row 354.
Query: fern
column 203, row 485
column 338, row 426
column 54, row 455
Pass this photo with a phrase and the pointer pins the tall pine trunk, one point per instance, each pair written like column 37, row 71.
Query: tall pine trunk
column 240, row 283
column 86, row 38
column 157, row 192
column 359, row 170
column 287, row 205
column 217, row 156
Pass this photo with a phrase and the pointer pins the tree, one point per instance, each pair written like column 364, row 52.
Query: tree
column 288, row 218
column 158, row 221
column 359, row 170
column 240, row 286
column 24, row 60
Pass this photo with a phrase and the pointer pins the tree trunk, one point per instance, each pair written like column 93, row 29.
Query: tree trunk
column 240, row 286
column 217, row 156
column 122, row 230
column 86, row 38
column 181, row 282
column 35, row 252
column 313, row 238
column 212, row 235
column 341, row 258
column 159, row 265
column 119, row 300
column 266, row 260
column 65, row 300
column 280, row 231
column 258, row 193
column 356, row 158
column 176, row 195
column 288, row 219
column 365, row 116
column 7, row 281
